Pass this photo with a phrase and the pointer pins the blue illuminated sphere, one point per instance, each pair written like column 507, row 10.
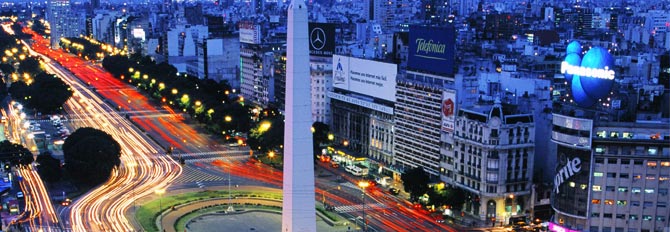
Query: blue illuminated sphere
column 598, row 58
column 573, row 59
column 574, row 47
column 578, row 95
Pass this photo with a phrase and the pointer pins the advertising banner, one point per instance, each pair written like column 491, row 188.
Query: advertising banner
column 321, row 39
column 431, row 49
column 448, row 110
column 250, row 33
column 371, row 78
column 571, row 180
column 573, row 131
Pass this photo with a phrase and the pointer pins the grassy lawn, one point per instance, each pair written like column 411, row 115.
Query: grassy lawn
column 332, row 216
column 181, row 223
column 147, row 213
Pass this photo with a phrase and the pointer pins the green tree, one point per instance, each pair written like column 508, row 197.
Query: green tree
column 14, row 153
column 30, row 65
column 415, row 182
column 319, row 137
column 90, row 156
column 49, row 167
column 49, row 93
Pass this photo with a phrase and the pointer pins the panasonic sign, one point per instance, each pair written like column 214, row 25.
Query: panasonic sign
column 604, row 73
column 571, row 168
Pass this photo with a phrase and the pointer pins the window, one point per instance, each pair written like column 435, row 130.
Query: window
column 596, row 188
column 621, row 216
column 614, row 134
column 623, row 175
column 599, row 160
column 595, row 214
column 646, row 217
column 611, row 175
column 648, row 204
column 637, row 176
column 621, row 202
column 665, row 164
column 651, row 164
column 661, row 204
column 635, row 203
column 623, row 189
column 663, row 191
column 601, row 134
column 637, row 162
column 595, row 201
column 636, row 190
column 651, row 177
column 652, row 151
column 633, row 217
column 627, row 135
column 648, row 190
column 572, row 184
column 609, row 202
column 625, row 161
column 660, row 218
column 600, row 149
column 607, row 215
column 609, row 188
column 598, row 174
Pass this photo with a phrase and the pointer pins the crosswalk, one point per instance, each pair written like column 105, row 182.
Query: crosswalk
column 193, row 175
column 356, row 208
column 199, row 156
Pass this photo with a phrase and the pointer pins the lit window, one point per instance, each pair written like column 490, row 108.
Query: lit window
column 633, row 217
column 623, row 189
column 636, row 190
column 595, row 201
column 582, row 186
column 597, row 188
column 627, row 135
column 601, row 134
column 648, row 190
column 614, row 134
column 652, row 151
column 621, row 202
column 637, row 176
column 609, row 202
column 651, row 164
column 646, row 217
column 651, row 177
column 663, row 178
column 572, row 184
column 600, row 150
column 598, row 174
column 660, row 218
column 665, row 164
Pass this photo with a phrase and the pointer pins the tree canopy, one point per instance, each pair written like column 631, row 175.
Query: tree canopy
column 91, row 155
column 49, row 167
column 415, row 182
column 15, row 154
column 46, row 93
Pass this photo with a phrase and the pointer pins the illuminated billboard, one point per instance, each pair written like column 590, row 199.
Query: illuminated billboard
column 448, row 110
column 571, row 180
column 431, row 49
column 250, row 33
column 321, row 39
column 591, row 76
column 372, row 78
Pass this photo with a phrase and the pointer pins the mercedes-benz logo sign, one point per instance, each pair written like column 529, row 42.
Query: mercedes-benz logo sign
column 317, row 38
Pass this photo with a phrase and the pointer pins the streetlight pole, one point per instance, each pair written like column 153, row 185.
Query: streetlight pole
column 363, row 185
column 160, row 205
column 323, row 194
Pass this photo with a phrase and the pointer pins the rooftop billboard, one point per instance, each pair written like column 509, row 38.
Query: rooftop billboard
column 590, row 76
column 321, row 39
column 431, row 49
column 368, row 77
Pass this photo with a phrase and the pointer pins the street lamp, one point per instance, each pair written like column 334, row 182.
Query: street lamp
column 271, row 154
column 363, row 185
column 160, row 193
column 323, row 194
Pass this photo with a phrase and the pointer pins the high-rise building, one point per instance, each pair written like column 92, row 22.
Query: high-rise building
column 298, row 212
column 321, row 69
column 418, row 121
column 64, row 22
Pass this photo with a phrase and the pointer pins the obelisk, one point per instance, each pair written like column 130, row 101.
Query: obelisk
column 298, row 213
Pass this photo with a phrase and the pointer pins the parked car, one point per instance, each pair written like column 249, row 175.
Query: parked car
column 19, row 194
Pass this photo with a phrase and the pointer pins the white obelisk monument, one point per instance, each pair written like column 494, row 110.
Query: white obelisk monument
column 298, row 213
